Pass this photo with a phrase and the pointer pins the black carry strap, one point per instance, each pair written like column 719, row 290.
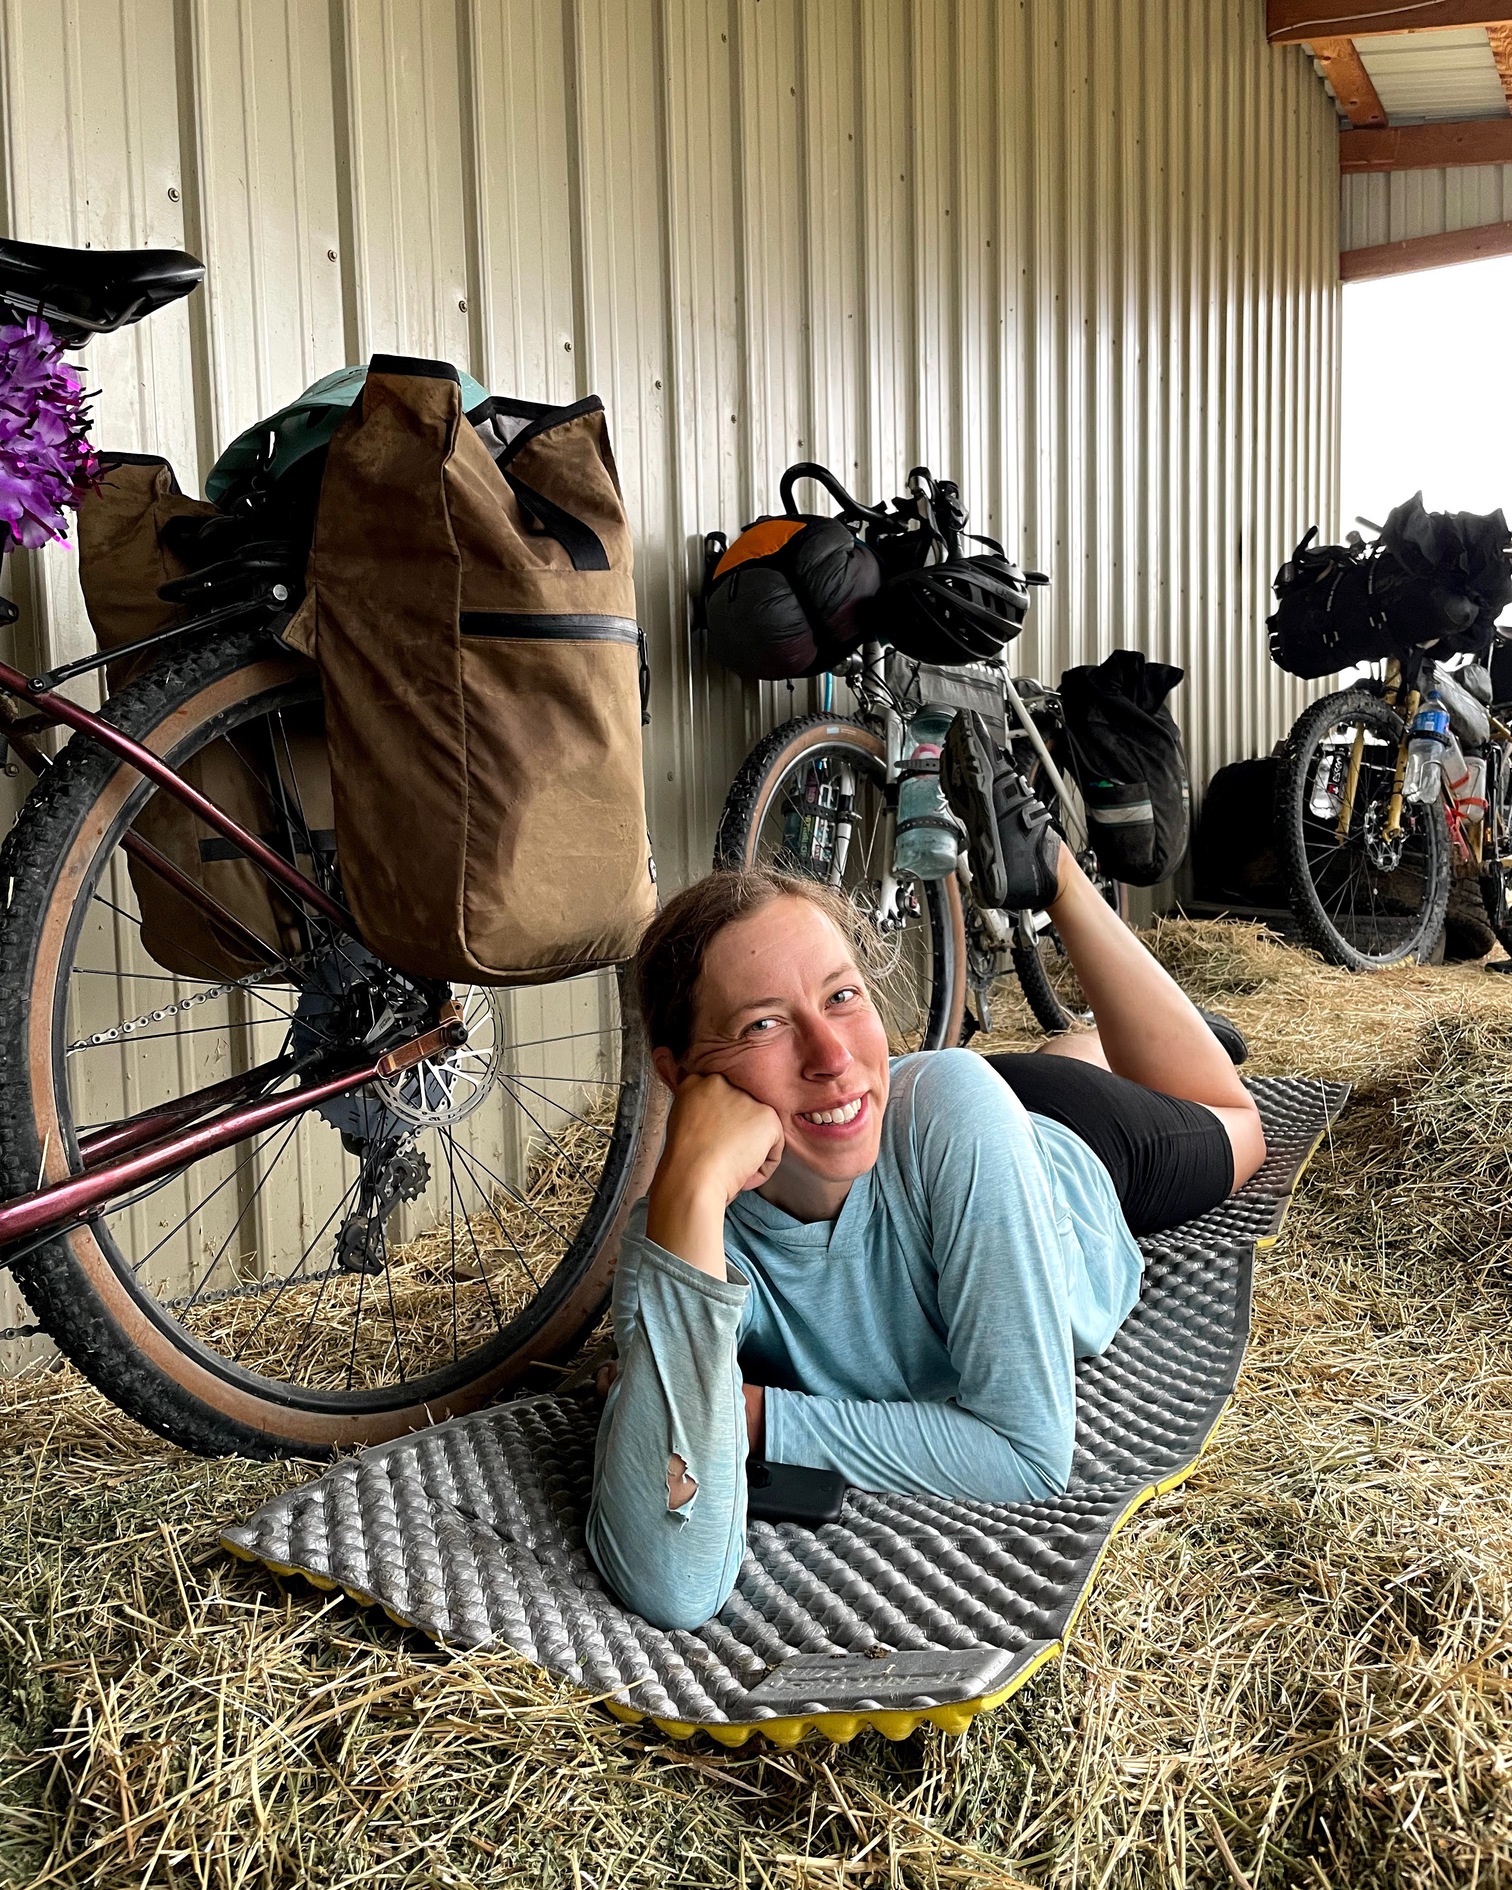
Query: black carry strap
column 581, row 543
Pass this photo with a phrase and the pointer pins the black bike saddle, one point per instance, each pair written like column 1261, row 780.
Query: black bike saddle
column 91, row 291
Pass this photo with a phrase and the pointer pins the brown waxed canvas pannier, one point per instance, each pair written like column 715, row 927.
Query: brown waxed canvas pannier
column 123, row 559
column 470, row 605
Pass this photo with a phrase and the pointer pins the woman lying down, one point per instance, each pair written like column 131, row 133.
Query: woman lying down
column 885, row 1267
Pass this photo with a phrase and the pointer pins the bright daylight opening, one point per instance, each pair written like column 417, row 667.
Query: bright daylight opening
column 1427, row 401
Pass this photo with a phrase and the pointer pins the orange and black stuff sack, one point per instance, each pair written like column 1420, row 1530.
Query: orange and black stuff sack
column 126, row 553
column 470, row 605
column 787, row 598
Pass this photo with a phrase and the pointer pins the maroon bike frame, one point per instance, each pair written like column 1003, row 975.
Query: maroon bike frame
column 48, row 1209
column 157, row 770
column 99, row 1146
column 129, row 1154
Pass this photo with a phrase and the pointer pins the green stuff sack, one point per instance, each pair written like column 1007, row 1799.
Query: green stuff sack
column 470, row 604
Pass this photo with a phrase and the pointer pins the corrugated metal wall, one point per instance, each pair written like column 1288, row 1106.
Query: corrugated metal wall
column 1082, row 256
column 1389, row 206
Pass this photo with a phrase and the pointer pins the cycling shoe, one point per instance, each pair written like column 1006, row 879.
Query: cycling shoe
column 1228, row 1034
column 1012, row 845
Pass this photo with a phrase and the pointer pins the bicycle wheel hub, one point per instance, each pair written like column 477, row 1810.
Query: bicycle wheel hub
column 1383, row 850
column 352, row 1003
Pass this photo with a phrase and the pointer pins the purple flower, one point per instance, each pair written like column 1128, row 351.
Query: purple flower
column 46, row 462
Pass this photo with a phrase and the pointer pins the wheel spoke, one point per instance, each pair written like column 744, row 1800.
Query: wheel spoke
column 236, row 1254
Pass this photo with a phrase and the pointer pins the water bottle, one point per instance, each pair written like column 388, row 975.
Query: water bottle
column 1427, row 738
column 1464, row 783
column 1324, row 801
column 929, row 836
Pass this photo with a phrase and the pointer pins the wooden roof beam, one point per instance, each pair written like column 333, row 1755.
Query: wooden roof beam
column 1501, row 51
column 1428, row 147
column 1287, row 22
column 1345, row 71
column 1425, row 252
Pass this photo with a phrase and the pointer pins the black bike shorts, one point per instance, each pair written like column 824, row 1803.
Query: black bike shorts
column 1169, row 1159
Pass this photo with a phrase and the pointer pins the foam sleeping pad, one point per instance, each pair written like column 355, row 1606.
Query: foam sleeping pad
column 908, row 1609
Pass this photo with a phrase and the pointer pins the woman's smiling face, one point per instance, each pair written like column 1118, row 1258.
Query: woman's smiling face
column 782, row 1012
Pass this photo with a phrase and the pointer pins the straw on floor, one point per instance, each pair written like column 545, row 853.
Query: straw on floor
column 1297, row 1671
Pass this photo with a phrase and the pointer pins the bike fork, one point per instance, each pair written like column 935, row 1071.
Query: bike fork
column 1079, row 840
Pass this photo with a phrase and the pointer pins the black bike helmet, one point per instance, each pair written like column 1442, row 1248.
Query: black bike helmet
column 959, row 610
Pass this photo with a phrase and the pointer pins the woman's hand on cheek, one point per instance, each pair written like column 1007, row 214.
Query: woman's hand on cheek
column 720, row 1141
column 720, row 1137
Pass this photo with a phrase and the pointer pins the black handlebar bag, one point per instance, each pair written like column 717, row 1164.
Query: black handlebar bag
column 471, row 608
column 1129, row 763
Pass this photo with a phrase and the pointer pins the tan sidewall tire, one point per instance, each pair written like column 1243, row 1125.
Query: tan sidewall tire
column 823, row 735
column 277, row 1427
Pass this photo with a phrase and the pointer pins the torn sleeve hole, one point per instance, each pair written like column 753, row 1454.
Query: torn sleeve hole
column 681, row 1488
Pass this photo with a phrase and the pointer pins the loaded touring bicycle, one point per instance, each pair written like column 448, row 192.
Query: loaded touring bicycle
column 270, row 1192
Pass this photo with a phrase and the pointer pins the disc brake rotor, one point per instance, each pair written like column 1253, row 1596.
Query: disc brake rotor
column 351, row 1000
column 1384, row 850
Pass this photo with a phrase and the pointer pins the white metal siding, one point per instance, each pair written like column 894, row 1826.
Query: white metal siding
column 1081, row 256
column 1389, row 206
column 1420, row 77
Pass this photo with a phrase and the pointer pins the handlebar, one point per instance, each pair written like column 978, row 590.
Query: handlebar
column 822, row 476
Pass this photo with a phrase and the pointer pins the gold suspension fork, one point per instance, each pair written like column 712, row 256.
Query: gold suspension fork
column 1356, row 754
column 1394, row 812
column 1351, row 782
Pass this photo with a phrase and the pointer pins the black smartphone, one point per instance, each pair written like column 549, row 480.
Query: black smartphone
column 791, row 1492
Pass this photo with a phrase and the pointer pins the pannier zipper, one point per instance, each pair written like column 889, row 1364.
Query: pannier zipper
column 568, row 629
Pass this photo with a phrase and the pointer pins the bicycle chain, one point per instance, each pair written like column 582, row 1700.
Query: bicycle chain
column 118, row 1031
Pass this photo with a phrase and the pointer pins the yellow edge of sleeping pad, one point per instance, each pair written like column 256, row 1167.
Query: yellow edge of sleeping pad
column 954, row 1717
column 840, row 1727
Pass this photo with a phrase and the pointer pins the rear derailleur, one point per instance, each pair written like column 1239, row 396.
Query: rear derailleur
column 392, row 1172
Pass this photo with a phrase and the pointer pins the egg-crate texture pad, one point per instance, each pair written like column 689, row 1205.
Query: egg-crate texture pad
column 908, row 1608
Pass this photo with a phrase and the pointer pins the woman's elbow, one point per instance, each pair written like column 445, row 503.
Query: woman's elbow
column 659, row 1597
column 650, row 1583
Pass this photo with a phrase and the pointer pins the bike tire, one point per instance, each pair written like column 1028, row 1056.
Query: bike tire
column 1496, row 866
column 1039, row 994
column 1029, row 962
column 80, row 1285
column 796, row 745
column 1308, row 853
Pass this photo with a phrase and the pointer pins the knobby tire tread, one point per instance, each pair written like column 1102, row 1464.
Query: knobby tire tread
column 1039, row 993
column 57, row 1288
column 1291, row 787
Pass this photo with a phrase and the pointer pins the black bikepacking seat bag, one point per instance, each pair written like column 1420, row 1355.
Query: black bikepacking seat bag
column 1128, row 761
column 1433, row 580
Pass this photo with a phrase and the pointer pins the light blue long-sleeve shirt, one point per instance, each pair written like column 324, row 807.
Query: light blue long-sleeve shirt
column 923, row 1341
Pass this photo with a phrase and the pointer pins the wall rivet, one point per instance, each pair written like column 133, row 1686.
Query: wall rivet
column 173, row 195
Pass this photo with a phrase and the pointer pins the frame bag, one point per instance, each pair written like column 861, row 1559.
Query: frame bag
column 134, row 531
column 470, row 605
column 1129, row 763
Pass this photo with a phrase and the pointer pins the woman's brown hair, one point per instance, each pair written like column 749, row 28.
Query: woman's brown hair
column 670, row 960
